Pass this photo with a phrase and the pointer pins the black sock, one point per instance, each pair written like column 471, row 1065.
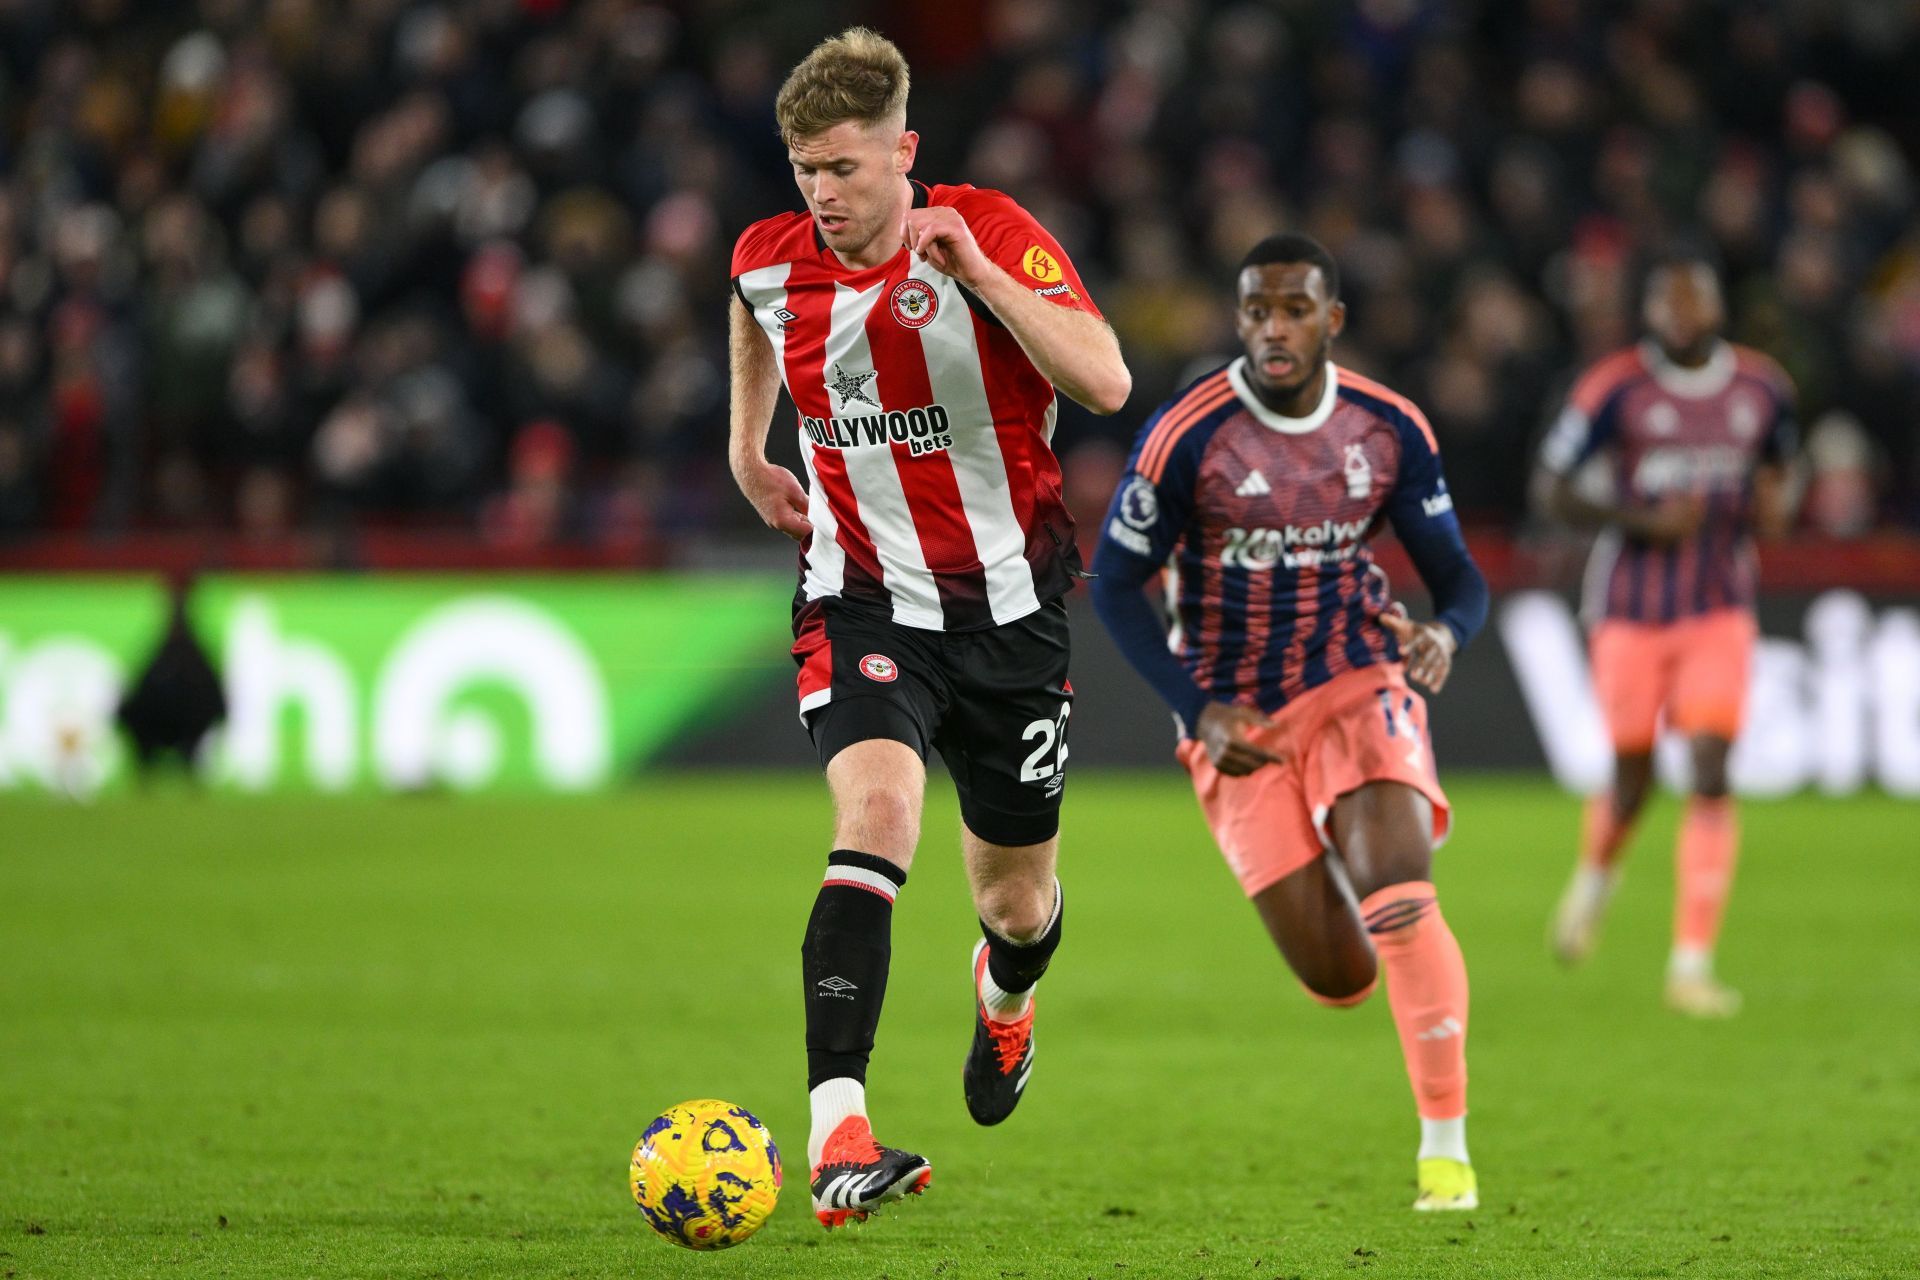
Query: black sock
column 843, row 962
column 1016, row 966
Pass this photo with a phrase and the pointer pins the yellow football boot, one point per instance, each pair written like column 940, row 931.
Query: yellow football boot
column 1446, row 1184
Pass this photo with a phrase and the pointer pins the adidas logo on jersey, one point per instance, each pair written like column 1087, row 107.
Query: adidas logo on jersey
column 1254, row 486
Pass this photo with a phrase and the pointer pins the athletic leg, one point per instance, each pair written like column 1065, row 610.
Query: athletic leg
column 1018, row 900
column 870, row 695
column 1704, row 857
column 1004, row 742
column 1609, row 821
column 1632, row 666
column 1709, row 707
column 1021, row 911
column 1384, row 832
column 877, row 788
column 1314, row 920
column 1612, row 815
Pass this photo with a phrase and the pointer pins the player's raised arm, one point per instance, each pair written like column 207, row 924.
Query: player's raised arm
column 1044, row 306
column 775, row 492
column 1421, row 511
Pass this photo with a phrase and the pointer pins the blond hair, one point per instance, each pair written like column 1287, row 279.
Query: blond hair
column 858, row 75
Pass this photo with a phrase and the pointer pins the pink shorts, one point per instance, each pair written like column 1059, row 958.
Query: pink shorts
column 1361, row 726
column 1695, row 668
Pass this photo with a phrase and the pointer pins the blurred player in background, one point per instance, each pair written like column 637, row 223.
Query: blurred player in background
column 177, row 699
column 1287, row 672
column 1699, row 434
column 921, row 332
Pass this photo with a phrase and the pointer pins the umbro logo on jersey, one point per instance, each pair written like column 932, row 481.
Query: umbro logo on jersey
column 785, row 317
column 836, row 987
column 1254, row 486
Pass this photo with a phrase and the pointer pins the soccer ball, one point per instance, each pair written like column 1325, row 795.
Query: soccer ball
column 706, row 1174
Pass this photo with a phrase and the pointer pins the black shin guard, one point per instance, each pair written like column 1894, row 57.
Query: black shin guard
column 1016, row 966
column 843, row 962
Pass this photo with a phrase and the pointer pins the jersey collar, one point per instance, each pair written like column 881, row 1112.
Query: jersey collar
column 1710, row 379
column 1236, row 374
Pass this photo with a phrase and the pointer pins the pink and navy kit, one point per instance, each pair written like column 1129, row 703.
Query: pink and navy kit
column 1672, row 431
column 1264, row 524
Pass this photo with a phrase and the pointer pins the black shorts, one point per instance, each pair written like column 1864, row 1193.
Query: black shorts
column 994, row 703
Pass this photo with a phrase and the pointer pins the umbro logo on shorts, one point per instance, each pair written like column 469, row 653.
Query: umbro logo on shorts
column 877, row 666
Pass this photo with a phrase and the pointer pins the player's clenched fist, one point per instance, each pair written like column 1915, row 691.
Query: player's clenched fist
column 1225, row 730
column 940, row 235
column 777, row 495
column 1426, row 647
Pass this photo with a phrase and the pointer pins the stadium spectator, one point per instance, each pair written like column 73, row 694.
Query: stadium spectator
column 275, row 264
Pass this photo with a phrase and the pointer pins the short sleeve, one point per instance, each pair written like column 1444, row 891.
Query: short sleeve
column 1569, row 442
column 1022, row 248
column 1152, row 506
column 1591, row 418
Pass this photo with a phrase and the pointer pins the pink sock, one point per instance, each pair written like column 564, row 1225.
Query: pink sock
column 1427, row 990
column 1703, row 863
column 1603, row 833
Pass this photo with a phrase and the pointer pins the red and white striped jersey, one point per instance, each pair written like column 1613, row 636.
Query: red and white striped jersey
column 933, row 489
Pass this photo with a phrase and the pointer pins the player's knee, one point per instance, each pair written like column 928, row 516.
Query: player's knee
column 885, row 814
column 1710, row 768
column 1402, row 861
column 1345, row 989
column 1711, row 785
column 1632, row 780
column 1016, row 912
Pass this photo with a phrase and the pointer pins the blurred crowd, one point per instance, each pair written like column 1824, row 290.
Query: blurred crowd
column 270, row 265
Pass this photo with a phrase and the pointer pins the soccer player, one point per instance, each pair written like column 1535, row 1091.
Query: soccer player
column 1288, row 666
column 1699, row 434
column 921, row 332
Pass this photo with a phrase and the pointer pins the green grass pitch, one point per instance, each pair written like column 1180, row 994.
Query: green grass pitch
column 418, row 1037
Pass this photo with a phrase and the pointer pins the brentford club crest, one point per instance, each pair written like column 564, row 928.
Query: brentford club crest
column 914, row 303
column 877, row 666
